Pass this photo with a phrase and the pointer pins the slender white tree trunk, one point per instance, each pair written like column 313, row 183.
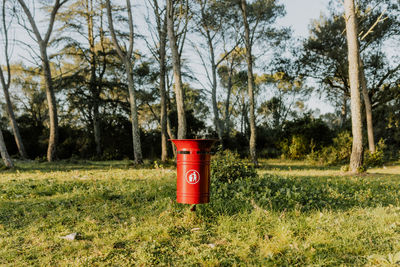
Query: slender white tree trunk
column 4, row 154
column 176, row 64
column 126, row 57
column 250, row 84
column 356, row 159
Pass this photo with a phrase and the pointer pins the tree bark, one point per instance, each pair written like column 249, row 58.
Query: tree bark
column 356, row 159
column 368, row 108
column 93, row 88
column 6, row 85
column 14, row 125
column 50, row 95
column 126, row 57
column 4, row 154
column 52, row 104
column 217, row 121
column 163, row 101
column 227, row 101
column 250, row 81
column 162, row 34
column 176, row 64
column 134, row 114
column 344, row 111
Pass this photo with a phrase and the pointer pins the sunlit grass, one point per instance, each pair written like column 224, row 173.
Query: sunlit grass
column 127, row 216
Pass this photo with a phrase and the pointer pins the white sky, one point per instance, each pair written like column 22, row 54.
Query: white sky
column 299, row 14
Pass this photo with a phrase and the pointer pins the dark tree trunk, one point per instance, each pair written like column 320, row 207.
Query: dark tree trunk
column 93, row 88
column 162, row 31
column 343, row 111
column 368, row 109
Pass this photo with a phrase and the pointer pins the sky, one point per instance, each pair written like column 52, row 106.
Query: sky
column 299, row 14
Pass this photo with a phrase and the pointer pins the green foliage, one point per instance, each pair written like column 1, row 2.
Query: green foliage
column 297, row 148
column 337, row 153
column 227, row 167
column 376, row 159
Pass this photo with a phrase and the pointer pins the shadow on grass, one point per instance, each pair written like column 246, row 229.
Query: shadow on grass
column 294, row 167
column 72, row 165
column 279, row 193
column 25, row 204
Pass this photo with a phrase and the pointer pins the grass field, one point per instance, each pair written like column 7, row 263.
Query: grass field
column 294, row 214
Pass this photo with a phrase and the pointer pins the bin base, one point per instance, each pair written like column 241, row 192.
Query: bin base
column 193, row 199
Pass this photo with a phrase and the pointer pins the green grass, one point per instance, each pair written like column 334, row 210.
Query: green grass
column 294, row 214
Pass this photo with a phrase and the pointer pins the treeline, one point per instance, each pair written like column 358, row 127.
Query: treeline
column 103, row 82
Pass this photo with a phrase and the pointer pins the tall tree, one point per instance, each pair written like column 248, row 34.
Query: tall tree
column 356, row 159
column 158, row 49
column 5, row 82
column 257, row 18
column 126, row 56
column 176, row 64
column 211, row 23
column 85, row 18
column 324, row 56
column 250, row 82
column 43, row 42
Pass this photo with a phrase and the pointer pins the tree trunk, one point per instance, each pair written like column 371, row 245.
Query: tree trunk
column 50, row 95
column 134, row 114
column 356, row 159
column 96, row 127
column 217, row 121
column 6, row 85
column 14, row 125
column 368, row 108
column 52, row 104
column 171, row 136
column 250, row 81
column 227, row 101
column 163, row 100
column 4, row 154
column 344, row 111
column 176, row 64
column 93, row 77
column 126, row 57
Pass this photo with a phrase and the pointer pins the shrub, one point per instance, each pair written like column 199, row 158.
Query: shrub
column 227, row 167
column 376, row 159
column 296, row 149
column 230, row 179
column 338, row 153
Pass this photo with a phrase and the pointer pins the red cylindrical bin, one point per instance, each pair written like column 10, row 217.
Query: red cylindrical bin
column 193, row 170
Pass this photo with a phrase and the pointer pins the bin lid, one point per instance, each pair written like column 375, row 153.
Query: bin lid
column 189, row 144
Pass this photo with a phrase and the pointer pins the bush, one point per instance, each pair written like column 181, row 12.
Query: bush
column 296, row 149
column 227, row 167
column 376, row 159
column 338, row 153
column 230, row 178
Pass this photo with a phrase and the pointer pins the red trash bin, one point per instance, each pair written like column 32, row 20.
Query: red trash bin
column 193, row 170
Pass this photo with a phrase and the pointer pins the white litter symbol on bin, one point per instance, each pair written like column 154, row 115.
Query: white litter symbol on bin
column 192, row 177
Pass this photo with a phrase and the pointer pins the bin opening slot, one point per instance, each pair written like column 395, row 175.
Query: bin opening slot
column 183, row 152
